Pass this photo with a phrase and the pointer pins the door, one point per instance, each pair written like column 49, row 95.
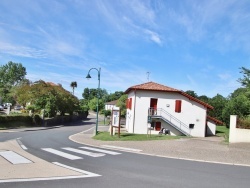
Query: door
column 157, row 126
column 153, row 106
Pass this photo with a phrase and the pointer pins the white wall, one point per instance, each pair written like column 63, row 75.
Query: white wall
column 236, row 134
column 191, row 112
column 211, row 128
column 109, row 106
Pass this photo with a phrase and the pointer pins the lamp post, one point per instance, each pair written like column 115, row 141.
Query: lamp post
column 98, row 95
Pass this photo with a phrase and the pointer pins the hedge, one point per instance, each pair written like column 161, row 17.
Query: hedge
column 10, row 118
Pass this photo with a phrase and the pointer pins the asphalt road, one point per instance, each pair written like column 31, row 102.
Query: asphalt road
column 126, row 169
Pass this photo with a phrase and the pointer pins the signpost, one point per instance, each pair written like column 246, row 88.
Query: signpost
column 116, row 120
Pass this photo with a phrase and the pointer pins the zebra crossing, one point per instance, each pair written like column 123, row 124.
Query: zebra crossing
column 79, row 152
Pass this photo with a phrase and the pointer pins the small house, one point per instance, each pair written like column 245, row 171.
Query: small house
column 152, row 106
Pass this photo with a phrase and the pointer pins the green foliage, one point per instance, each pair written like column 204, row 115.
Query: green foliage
column 239, row 105
column 52, row 98
column 93, row 104
column 11, row 74
column 243, row 123
column 37, row 119
column 122, row 104
column 16, row 118
column 84, row 104
column 218, row 102
column 106, row 112
column 204, row 98
column 223, row 131
column 245, row 81
column 191, row 93
column 73, row 85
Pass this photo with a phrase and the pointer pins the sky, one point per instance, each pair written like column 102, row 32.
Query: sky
column 185, row 44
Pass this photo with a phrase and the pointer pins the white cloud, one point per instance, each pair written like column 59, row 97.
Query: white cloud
column 21, row 51
column 154, row 37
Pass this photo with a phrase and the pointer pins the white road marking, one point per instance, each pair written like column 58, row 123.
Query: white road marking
column 89, row 174
column 14, row 158
column 101, row 150
column 86, row 174
column 62, row 154
column 20, row 143
column 85, row 152
column 122, row 148
column 24, row 147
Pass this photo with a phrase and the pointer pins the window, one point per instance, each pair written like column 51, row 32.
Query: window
column 178, row 106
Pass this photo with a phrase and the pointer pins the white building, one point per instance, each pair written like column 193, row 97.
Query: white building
column 157, row 106
column 110, row 105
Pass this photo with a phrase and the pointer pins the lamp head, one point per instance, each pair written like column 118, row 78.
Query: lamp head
column 88, row 76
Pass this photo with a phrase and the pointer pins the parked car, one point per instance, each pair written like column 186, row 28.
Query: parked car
column 6, row 105
column 1, row 108
column 18, row 107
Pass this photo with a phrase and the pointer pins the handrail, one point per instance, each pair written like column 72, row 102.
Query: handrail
column 170, row 118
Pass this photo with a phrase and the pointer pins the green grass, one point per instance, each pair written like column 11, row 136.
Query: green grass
column 223, row 131
column 105, row 136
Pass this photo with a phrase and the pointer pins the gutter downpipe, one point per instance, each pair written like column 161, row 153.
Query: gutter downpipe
column 134, row 114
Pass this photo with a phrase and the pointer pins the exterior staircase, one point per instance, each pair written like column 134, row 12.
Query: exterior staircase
column 162, row 114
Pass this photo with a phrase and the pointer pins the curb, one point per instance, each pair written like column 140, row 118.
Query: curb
column 26, row 130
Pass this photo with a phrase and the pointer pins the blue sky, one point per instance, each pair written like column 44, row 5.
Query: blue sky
column 188, row 45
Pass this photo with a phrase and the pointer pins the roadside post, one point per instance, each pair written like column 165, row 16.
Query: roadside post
column 149, row 125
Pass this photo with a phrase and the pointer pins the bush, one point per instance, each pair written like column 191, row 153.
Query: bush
column 243, row 123
column 106, row 112
column 37, row 119
column 22, row 118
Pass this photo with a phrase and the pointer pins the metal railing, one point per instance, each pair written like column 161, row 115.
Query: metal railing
column 170, row 119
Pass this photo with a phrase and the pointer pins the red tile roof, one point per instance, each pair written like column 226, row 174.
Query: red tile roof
column 215, row 120
column 152, row 86
column 111, row 102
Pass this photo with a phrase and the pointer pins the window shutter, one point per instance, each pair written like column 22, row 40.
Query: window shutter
column 178, row 106
column 130, row 103
column 127, row 103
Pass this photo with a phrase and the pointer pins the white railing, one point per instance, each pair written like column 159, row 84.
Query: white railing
column 167, row 117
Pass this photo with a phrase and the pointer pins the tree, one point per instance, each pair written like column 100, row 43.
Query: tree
column 122, row 104
column 53, row 98
column 11, row 74
column 115, row 96
column 245, row 81
column 239, row 105
column 86, row 93
column 191, row 93
column 73, row 85
column 204, row 98
column 93, row 104
column 218, row 102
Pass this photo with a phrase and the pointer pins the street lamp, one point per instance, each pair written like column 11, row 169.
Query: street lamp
column 98, row 95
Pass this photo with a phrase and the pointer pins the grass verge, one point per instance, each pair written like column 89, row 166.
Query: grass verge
column 105, row 136
column 223, row 131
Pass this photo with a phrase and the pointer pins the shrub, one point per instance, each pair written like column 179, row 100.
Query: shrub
column 20, row 118
column 106, row 112
column 243, row 123
column 37, row 119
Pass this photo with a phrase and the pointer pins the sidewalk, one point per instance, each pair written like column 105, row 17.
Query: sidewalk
column 209, row 149
column 27, row 167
